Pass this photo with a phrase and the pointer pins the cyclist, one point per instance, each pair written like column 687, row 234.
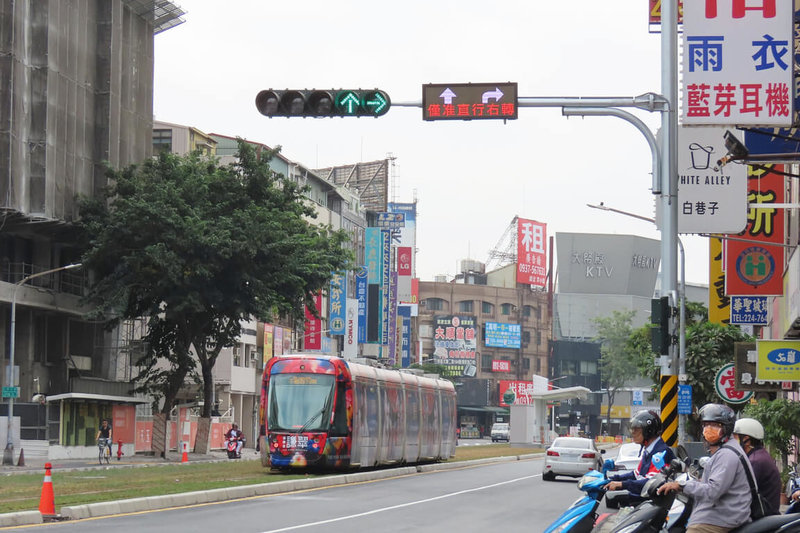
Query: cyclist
column 105, row 432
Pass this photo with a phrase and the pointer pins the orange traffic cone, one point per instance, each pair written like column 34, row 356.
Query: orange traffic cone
column 21, row 460
column 185, row 455
column 47, row 502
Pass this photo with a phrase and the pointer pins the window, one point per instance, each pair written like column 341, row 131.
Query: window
column 526, row 311
column 538, row 365
column 505, row 309
column 465, row 306
column 486, row 362
column 588, row 368
column 537, row 312
column 237, row 355
column 538, row 338
column 526, row 337
column 526, row 363
column 487, row 308
column 162, row 141
column 434, row 304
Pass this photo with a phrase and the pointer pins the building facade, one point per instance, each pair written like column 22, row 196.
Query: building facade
column 77, row 94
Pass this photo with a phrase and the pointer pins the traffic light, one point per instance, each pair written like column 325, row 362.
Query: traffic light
column 661, row 312
column 323, row 103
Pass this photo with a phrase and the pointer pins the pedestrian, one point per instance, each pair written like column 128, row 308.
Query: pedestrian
column 750, row 434
column 722, row 497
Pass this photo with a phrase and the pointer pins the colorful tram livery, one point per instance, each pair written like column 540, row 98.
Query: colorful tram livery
column 319, row 411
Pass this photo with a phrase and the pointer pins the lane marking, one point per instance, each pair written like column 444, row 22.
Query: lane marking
column 400, row 506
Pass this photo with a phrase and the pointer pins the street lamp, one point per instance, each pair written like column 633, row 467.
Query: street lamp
column 8, row 453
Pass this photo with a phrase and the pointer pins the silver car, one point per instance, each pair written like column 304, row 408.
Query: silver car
column 500, row 431
column 571, row 456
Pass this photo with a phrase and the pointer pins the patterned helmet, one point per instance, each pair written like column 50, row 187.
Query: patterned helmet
column 650, row 423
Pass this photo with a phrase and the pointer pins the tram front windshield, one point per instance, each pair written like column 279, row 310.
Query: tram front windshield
column 300, row 402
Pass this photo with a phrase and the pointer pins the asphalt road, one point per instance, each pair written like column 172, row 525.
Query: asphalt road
column 498, row 496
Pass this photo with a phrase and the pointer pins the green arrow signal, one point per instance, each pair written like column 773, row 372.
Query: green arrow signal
column 350, row 102
column 377, row 102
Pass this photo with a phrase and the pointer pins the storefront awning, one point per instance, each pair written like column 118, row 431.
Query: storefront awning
column 87, row 397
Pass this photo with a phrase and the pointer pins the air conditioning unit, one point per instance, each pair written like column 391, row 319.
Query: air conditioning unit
column 81, row 362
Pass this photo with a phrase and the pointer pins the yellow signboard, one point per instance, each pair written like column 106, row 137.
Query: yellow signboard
column 719, row 305
column 778, row 360
column 617, row 411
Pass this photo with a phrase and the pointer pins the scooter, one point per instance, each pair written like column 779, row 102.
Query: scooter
column 581, row 515
column 653, row 515
column 230, row 445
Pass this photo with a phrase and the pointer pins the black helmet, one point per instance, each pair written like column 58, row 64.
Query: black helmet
column 650, row 423
column 722, row 414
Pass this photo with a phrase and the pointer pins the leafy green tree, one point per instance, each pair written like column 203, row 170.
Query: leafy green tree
column 617, row 359
column 781, row 420
column 708, row 347
column 196, row 248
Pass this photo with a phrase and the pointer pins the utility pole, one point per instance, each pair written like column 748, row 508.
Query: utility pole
column 669, row 210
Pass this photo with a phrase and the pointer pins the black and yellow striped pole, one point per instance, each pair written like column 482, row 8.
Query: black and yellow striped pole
column 663, row 344
column 669, row 409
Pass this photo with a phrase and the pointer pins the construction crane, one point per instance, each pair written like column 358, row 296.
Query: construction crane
column 505, row 251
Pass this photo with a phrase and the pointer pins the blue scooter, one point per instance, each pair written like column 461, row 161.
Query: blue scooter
column 581, row 515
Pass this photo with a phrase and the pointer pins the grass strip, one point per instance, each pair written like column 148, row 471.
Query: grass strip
column 21, row 492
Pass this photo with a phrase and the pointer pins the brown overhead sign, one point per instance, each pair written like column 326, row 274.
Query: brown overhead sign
column 469, row 101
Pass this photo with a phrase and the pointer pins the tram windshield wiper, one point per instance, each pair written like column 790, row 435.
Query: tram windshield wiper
column 316, row 415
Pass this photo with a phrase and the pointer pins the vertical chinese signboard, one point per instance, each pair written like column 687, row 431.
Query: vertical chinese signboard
column 719, row 304
column 738, row 62
column 312, row 335
column 268, row 340
column 531, row 252
column 755, row 268
column 336, row 298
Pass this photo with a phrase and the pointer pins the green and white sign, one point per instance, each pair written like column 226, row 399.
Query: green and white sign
column 10, row 392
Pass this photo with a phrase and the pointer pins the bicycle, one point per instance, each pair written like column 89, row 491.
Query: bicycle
column 104, row 446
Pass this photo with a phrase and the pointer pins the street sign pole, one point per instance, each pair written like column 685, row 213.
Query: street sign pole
column 669, row 209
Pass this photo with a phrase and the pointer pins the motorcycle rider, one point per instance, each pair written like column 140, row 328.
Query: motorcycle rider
column 722, row 496
column 750, row 434
column 236, row 433
column 645, row 428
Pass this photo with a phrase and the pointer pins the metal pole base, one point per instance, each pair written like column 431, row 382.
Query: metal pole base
column 8, row 455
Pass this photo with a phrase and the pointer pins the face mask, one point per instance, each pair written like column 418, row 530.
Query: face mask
column 712, row 434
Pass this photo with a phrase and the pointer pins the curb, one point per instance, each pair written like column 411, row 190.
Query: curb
column 182, row 499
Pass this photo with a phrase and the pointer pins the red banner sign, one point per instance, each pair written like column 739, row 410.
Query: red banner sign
column 516, row 393
column 403, row 260
column 498, row 365
column 756, row 268
column 531, row 252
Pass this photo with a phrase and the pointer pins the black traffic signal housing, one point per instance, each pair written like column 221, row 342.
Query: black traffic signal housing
column 661, row 312
column 322, row 103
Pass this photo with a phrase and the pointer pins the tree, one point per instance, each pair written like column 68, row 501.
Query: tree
column 780, row 419
column 196, row 248
column 709, row 346
column 617, row 359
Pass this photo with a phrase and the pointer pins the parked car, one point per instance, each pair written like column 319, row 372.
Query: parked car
column 571, row 456
column 628, row 458
column 500, row 431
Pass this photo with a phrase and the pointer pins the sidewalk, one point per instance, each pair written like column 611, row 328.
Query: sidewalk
column 67, row 465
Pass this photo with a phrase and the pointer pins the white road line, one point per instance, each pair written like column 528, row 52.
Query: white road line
column 400, row 506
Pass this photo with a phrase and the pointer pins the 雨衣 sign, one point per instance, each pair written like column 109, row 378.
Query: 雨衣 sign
column 469, row 101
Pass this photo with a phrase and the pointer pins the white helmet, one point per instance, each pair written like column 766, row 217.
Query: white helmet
column 750, row 427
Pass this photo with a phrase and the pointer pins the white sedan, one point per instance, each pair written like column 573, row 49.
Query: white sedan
column 571, row 456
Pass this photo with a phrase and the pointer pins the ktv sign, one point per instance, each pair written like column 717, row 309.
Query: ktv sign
column 738, row 62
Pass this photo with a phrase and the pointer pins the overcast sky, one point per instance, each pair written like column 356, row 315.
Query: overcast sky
column 470, row 178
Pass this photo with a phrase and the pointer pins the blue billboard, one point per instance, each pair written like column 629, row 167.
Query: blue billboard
column 501, row 335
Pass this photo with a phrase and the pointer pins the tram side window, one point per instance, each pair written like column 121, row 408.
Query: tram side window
column 339, row 427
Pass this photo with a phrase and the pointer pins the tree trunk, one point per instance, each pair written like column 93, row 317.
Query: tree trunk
column 159, row 442
column 208, row 387
column 202, row 442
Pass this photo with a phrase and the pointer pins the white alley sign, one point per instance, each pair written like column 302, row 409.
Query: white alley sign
column 710, row 199
column 738, row 62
